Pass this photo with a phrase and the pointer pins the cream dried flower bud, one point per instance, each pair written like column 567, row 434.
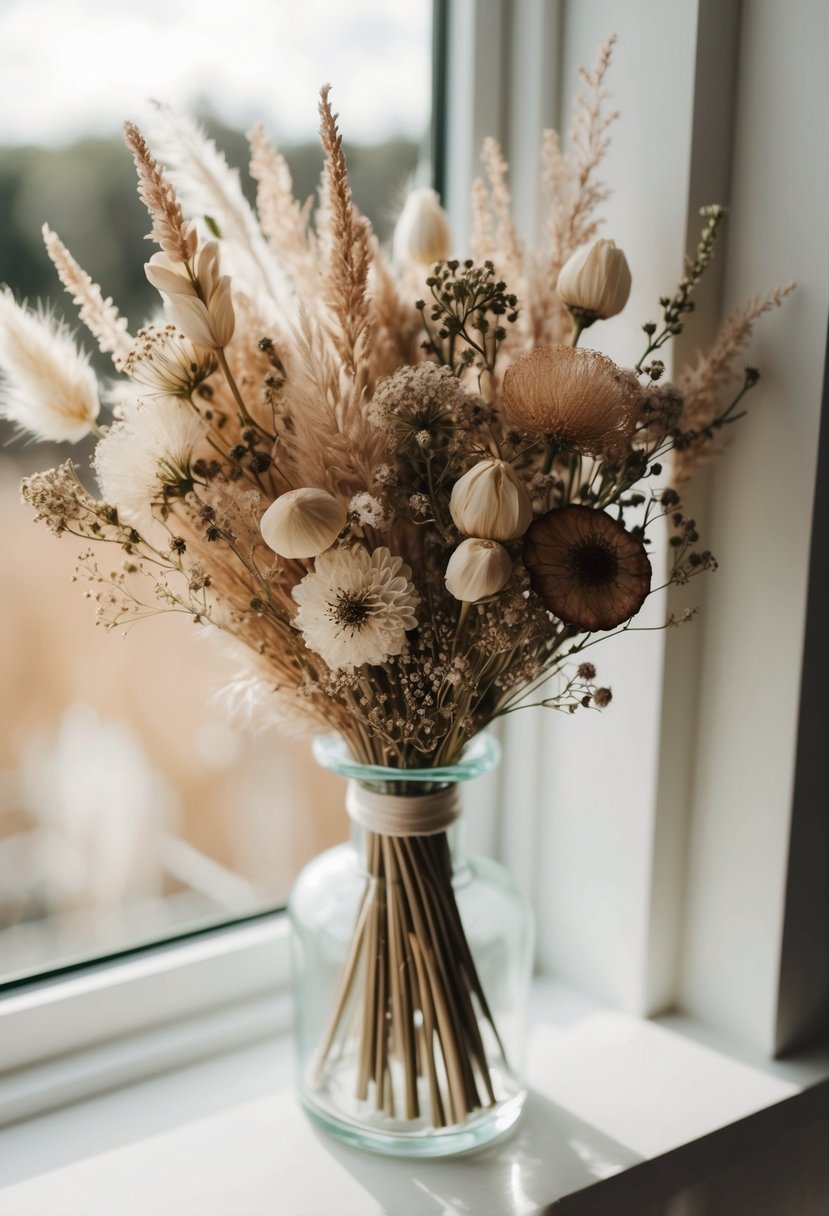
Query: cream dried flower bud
column 422, row 235
column 303, row 523
column 595, row 281
column 491, row 501
column 477, row 569
column 200, row 305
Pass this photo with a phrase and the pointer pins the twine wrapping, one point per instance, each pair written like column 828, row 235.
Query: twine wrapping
column 403, row 815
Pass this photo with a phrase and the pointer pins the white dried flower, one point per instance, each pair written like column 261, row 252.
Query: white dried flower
column 477, row 569
column 422, row 235
column 369, row 511
column 147, row 458
column 356, row 606
column 302, row 523
column 595, row 281
column 491, row 501
column 48, row 386
column 167, row 363
column 200, row 304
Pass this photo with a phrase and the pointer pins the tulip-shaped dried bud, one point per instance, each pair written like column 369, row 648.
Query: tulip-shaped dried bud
column 199, row 303
column 578, row 399
column 422, row 235
column 594, row 282
column 303, row 523
column 491, row 501
column 477, row 569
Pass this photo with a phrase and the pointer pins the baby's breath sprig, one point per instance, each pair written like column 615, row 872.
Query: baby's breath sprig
column 675, row 307
column 468, row 314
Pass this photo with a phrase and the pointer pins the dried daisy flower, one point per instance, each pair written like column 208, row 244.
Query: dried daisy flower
column 477, row 569
column 356, row 606
column 588, row 569
column 303, row 523
column 147, row 458
column 577, row 399
column 48, row 387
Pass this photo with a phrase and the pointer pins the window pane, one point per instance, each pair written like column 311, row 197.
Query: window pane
column 130, row 809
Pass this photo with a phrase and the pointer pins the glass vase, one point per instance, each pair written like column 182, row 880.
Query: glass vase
column 412, row 965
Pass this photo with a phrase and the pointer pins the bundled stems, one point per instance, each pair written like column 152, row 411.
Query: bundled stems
column 418, row 1031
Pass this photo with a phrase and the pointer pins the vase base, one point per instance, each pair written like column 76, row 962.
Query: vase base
column 377, row 1133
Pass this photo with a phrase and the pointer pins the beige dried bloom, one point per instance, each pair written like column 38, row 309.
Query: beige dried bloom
column 48, row 387
column 578, row 399
column 477, row 569
column 421, row 235
column 302, row 523
column 595, row 282
column 199, row 303
column 356, row 607
column 147, row 459
column 491, row 501
column 169, row 364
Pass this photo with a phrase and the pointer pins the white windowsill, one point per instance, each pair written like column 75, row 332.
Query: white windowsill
column 225, row 1136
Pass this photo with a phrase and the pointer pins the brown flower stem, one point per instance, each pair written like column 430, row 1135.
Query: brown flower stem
column 549, row 456
column 578, row 327
column 418, row 1001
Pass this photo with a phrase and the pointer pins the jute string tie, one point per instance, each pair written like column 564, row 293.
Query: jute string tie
column 403, row 814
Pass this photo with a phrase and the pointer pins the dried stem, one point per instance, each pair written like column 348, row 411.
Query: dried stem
column 421, row 997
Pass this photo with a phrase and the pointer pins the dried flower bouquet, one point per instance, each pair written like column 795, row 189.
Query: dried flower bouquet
column 398, row 481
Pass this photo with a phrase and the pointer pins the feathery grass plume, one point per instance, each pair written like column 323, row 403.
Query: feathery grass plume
column 99, row 315
column 210, row 188
column 333, row 444
column 48, row 387
column 482, row 226
column 284, row 222
column 170, row 231
column 397, row 331
column 349, row 253
column 702, row 382
column 508, row 253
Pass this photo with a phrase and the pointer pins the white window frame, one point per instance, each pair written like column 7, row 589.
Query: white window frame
column 586, row 814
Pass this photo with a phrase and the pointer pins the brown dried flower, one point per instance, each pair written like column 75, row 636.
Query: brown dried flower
column 586, row 567
column 579, row 399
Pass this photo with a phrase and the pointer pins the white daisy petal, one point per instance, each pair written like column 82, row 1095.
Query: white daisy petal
column 356, row 606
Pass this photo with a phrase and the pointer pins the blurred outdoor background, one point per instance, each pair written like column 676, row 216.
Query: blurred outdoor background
column 130, row 809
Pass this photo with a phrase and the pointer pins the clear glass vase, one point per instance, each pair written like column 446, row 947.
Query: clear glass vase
column 412, row 966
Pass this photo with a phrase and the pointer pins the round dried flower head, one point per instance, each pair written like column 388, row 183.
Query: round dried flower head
column 588, row 569
column 602, row 698
column 478, row 569
column 578, row 399
column 586, row 671
column 419, row 407
column 595, row 281
column 303, row 522
column 491, row 501
column 356, row 606
column 421, row 235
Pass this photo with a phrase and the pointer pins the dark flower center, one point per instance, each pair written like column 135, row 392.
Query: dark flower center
column 351, row 611
column 593, row 561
